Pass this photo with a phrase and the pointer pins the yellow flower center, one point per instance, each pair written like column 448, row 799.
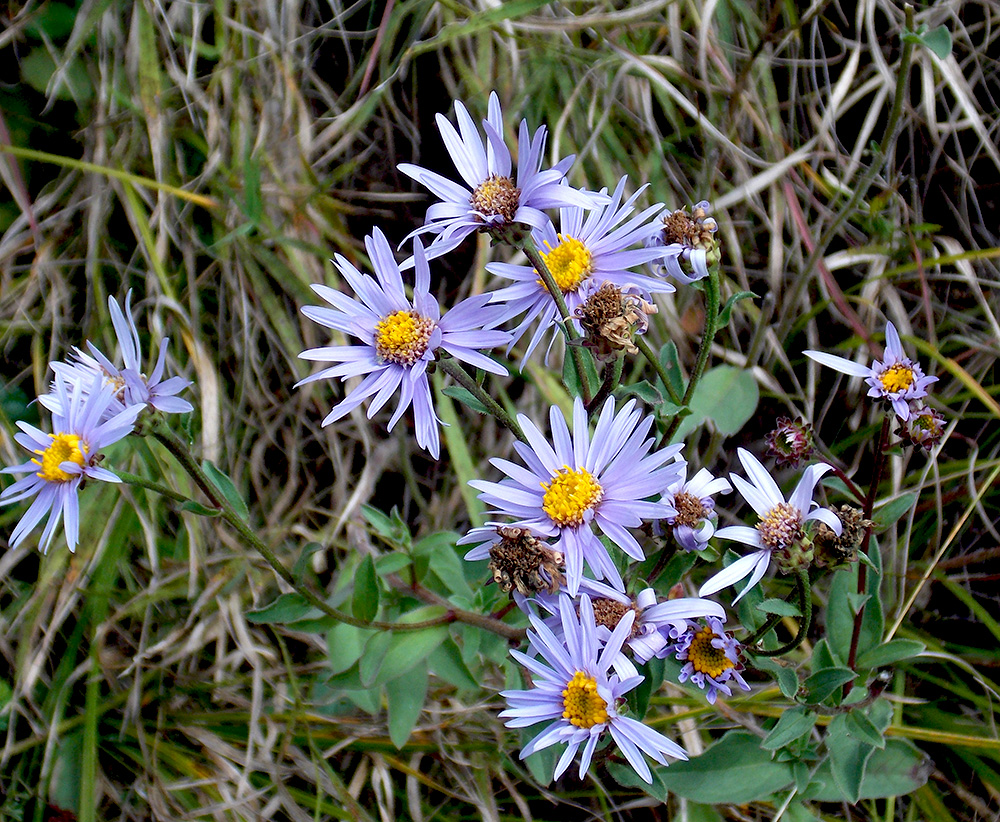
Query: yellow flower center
column 781, row 526
column 896, row 377
column 570, row 495
column 582, row 705
column 402, row 337
column 705, row 658
column 497, row 196
column 570, row 263
column 64, row 448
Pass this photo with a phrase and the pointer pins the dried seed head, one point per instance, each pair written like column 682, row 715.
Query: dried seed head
column 838, row 552
column 523, row 562
column 610, row 317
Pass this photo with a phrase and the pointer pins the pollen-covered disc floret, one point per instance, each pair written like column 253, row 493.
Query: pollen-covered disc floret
column 489, row 197
column 63, row 459
column 779, row 536
column 570, row 496
column 895, row 378
column 399, row 337
column 780, row 526
column 583, row 706
column 711, row 657
column 586, row 251
column 496, row 197
column 578, row 482
column 576, row 693
column 402, row 337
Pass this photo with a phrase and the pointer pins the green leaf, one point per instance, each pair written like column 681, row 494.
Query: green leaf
column 626, row 776
column 887, row 515
column 825, row 681
column 465, row 397
column 405, row 698
column 390, row 527
column 569, row 375
column 887, row 653
column 937, row 40
column 863, row 729
column 227, row 489
column 787, row 678
column 287, row 608
column 779, row 607
column 199, row 509
column 446, row 662
column 727, row 309
column 897, row 770
column 671, row 362
column 793, row 724
column 735, row 770
column 848, row 758
column 392, row 563
column 644, row 391
column 364, row 603
column 840, row 616
column 406, row 648
column 727, row 396
column 344, row 644
column 373, row 657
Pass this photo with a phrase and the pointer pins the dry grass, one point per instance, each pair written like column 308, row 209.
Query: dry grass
column 258, row 139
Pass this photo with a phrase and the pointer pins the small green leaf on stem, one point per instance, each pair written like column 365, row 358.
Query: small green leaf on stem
column 227, row 489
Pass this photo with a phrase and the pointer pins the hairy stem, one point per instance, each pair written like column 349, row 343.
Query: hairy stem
column 249, row 537
column 453, row 369
column 805, row 624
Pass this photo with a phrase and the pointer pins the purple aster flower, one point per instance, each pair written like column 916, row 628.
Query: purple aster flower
column 580, row 482
column 592, row 248
column 687, row 243
column 711, row 657
column 399, row 337
column 575, row 694
column 490, row 198
column 896, row 378
column 653, row 619
column 694, row 520
column 779, row 531
column 132, row 386
column 66, row 457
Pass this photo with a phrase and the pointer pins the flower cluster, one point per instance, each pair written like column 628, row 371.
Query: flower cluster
column 94, row 403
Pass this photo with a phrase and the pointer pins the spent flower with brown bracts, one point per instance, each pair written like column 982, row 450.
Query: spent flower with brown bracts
column 711, row 657
column 575, row 693
column 132, row 385
column 588, row 248
column 611, row 316
column 399, row 337
column 520, row 563
column 779, row 535
column 832, row 550
column 65, row 458
column 688, row 244
column 791, row 442
column 565, row 489
column 895, row 378
column 491, row 199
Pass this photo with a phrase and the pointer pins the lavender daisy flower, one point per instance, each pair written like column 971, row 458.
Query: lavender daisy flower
column 687, row 243
column 579, row 482
column 490, row 199
column 591, row 248
column 575, row 694
column 653, row 619
column 66, row 458
column 399, row 337
column 711, row 657
column 779, row 534
column 132, row 386
column 896, row 378
column 695, row 519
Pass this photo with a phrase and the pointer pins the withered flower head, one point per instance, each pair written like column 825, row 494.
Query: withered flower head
column 924, row 428
column 523, row 562
column 835, row 552
column 610, row 316
column 691, row 239
column 791, row 442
